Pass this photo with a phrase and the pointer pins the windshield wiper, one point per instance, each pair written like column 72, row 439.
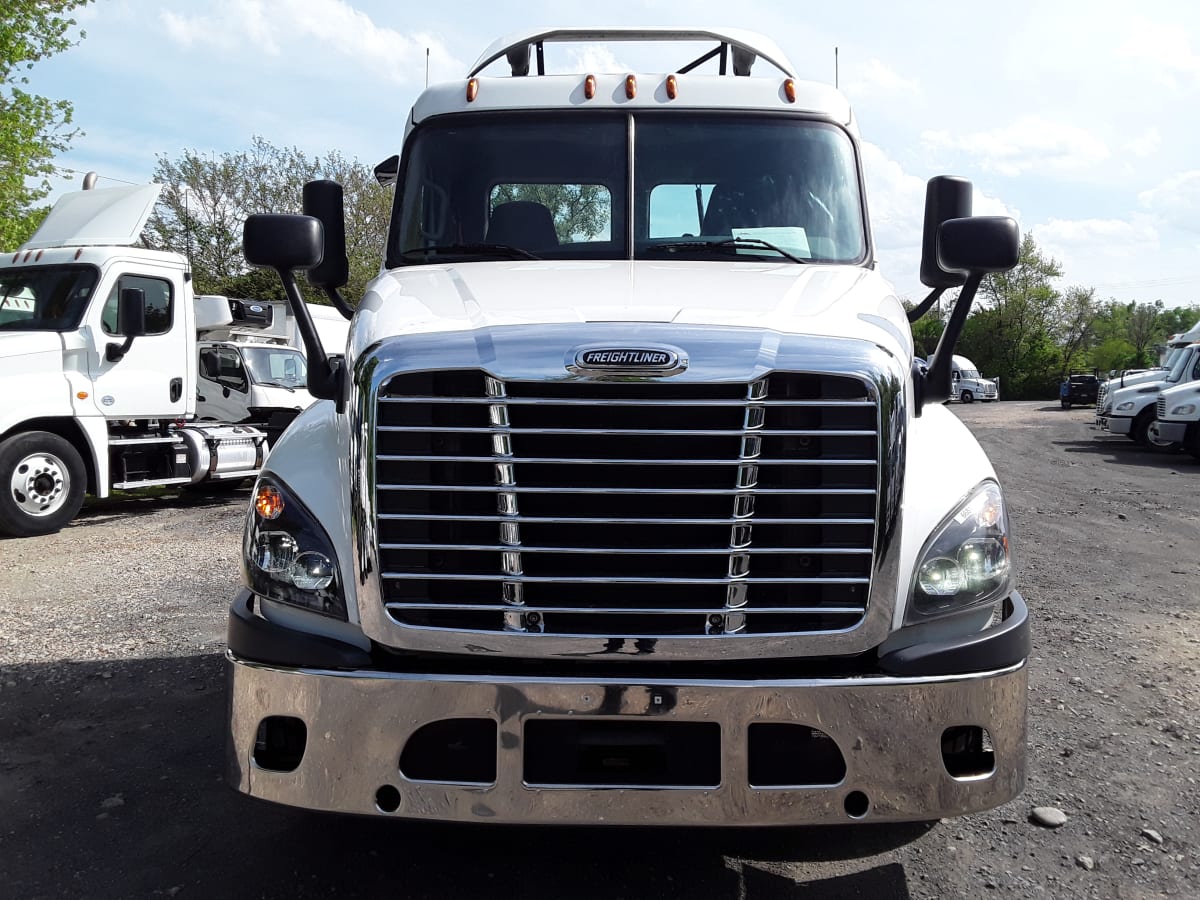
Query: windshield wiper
column 501, row 250
column 734, row 242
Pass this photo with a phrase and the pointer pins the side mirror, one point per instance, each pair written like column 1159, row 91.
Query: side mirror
column 323, row 201
column 131, row 322
column 283, row 242
column 980, row 244
column 946, row 197
column 131, row 312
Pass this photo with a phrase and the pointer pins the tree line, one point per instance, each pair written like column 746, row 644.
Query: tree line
column 1030, row 334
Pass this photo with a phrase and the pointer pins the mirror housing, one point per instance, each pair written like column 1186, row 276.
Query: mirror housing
column 323, row 201
column 980, row 244
column 947, row 197
column 131, row 322
column 283, row 242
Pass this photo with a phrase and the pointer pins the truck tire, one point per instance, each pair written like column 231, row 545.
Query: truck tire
column 1066, row 404
column 966, row 397
column 1145, row 431
column 42, row 483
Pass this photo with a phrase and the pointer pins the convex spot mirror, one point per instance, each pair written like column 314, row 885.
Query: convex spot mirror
column 283, row 242
column 980, row 244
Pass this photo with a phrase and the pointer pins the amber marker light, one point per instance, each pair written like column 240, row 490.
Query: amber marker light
column 82, row 395
column 268, row 502
column 589, row 87
column 79, row 253
column 789, row 90
column 672, row 87
column 630, row 86
column 472, row 90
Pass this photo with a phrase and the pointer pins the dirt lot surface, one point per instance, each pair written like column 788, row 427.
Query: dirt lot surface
column 111, row 741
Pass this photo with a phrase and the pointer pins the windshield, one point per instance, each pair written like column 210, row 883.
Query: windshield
column 52, row 298
column 747, row 187
column 1182, row 370
column 278, row 366
column 971, row 373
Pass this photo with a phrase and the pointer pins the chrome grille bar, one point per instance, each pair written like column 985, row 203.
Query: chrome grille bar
column 637, row 551
column 640, row 611
column 708, row 492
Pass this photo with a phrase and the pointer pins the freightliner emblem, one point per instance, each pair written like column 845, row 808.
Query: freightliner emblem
column 629, row 360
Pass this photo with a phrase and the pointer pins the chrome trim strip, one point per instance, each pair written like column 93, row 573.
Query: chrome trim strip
column 517, row 578
column 433, row 517
column 707, row 463
column 732, row 355
column 514, row 489
column 650, row 611
column 635, row 551
column 647, row 432
column 568, row 401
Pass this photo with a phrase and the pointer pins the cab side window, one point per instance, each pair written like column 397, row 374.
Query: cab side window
column 230, row 371
column 160, row 308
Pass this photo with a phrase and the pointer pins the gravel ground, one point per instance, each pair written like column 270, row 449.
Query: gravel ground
column 111, row 706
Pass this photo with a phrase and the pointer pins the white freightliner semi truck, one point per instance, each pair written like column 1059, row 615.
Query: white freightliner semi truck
column 1178, row 413
column 629, row 501
column 1132, row 410
column 98, row 367
column 1175, row 346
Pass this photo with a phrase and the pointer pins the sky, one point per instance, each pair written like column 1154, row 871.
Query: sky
column 1078, row 119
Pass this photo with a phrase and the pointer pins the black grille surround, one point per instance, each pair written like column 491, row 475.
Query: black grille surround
column 626, row 510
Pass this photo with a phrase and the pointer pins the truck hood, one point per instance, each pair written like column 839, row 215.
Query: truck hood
column 16, row 345
column 837, row 301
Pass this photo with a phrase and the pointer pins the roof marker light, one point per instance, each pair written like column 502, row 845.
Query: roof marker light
column 589, row 87
column 789, row 90
column 28, row 253
column 79, row 253
column 630, row 86
column 472, row 90
column 672, row 87
column 39, row 255
column 16, row 256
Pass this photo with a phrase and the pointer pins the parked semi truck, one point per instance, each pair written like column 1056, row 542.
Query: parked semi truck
column 98, row 367
column 1175, row 346
column 968, row 385
column 1132, row 410
column 1178, row 413
column 634, row 517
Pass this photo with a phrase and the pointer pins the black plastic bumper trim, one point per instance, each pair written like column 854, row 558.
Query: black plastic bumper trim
column 1005, row 645
column 253, row 638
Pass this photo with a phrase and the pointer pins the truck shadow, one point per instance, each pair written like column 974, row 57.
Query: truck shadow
column 1123, row 450
column 136, row 503
column 111, row 775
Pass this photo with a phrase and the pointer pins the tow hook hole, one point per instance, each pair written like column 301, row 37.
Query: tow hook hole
column 967, row 752
column 857, row 804
column 279, row 744
column 387, row 798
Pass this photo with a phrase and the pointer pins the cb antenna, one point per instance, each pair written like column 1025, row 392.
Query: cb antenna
column 835, row 67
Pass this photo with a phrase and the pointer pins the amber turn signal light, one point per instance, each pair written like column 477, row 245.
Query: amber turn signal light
column 268, row 502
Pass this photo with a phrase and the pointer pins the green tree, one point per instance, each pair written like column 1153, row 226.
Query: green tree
column 206, row 199
column 33, row 129
column 1011, row 335
column 1075, row 325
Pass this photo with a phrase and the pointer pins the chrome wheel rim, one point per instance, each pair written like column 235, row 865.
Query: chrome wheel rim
column 40, row 484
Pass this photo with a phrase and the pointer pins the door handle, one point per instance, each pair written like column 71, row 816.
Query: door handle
column 176, row 389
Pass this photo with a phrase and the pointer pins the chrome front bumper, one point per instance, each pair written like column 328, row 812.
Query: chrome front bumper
column 888, row 729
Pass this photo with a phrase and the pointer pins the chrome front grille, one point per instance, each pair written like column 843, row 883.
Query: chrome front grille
column 1101, row 397
column 1162, row 408
column 626, row 509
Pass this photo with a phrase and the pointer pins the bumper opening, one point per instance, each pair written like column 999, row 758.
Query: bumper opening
column 460, row 751
column 279, row 743
column 790, row 755
column 613, row 754
column 967, row 752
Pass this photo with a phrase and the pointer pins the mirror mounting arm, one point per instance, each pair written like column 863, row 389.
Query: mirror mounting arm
column 324, row 375
column 338, row 301
column 116, row 352
column 935, row 381
column 917, row 311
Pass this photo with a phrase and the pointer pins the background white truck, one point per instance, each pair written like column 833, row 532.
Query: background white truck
column 1178, row 413
column 98, row 367
column 967, row 385
column 1132, row 410
column 641, row 517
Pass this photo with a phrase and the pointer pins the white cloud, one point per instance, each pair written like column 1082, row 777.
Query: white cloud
column 1107, row 235
column 1176, row 201
column 1160, row 48
column 270, row 26
column 1031, row 144
column 876, row 78
column 597, row 59
column 1147, row 144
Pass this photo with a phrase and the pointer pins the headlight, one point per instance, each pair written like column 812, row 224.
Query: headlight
column 966, row 563
column 288, row 555
column 1128, row 404
column 1186, row 409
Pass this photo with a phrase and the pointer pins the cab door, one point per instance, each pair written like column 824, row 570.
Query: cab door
column 150, row 380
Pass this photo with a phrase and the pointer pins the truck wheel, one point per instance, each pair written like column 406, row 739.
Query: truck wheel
column 42, row 483
column 967, row 397
column 1145, row 429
